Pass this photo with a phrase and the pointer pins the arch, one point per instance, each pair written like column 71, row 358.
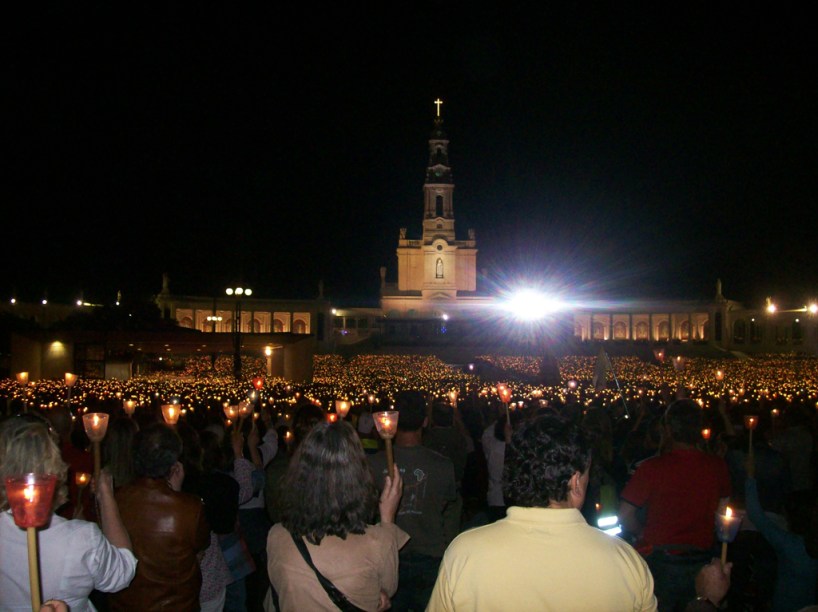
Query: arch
column 739, row 331
column 684, row 330
column 256, row 326
column 664, row 330
column 439, row 268
column 299, row 326
column 186, row 322
column 278, row 326
column 706, row 329
column 641, row 330
column 578, row 329
column 599, row 331
column 620, row 331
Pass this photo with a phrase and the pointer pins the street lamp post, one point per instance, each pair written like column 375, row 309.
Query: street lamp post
column 238, row 292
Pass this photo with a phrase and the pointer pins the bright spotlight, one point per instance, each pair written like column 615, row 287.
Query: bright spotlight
column 530, row 305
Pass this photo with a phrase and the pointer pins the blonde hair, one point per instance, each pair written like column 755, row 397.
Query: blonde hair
column 27, row 444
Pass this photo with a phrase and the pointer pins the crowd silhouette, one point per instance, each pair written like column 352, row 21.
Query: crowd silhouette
column 234, row 467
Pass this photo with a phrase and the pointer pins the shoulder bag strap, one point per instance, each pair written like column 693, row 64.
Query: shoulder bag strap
column 337, row 597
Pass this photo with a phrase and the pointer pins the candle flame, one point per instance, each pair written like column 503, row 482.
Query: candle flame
column 95, row 419
column 28, row 493
column 728, row 512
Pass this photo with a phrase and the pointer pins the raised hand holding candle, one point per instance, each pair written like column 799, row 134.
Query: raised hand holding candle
column 386, row 422
column 30, row 497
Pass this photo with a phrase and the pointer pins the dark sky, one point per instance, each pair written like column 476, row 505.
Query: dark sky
column 611, row 153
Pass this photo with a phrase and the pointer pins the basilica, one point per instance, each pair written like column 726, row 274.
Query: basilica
column 436, row 298
column 436, row 301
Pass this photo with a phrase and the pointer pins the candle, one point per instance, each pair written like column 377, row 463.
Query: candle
column 727, row 526
column 30, row 497
column 81, row 479
column 719, row 375
column 258, row 382
column 170, row 412
column 231, row 411
column 128, row 406
column 386, row 422
column 245, row 408
column 22, row 378
column 706, row 433
column 70, row 379
column 342, row 408
column 96, row 424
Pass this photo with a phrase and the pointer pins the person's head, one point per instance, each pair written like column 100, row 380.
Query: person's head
column 213, row 457
column 117, row 449
column 411, row 407
column 157, row 448
column 328, row 488
column 60, row 418
column 28, row 445
column 683, row 421
column 307, row 417
column 442, row 414
column 547, row 461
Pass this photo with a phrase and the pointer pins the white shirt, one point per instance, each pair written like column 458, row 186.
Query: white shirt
column 495, row 452
column 75, row 558
column 267, row 449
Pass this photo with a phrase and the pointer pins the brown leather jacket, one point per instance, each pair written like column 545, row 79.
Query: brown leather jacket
column 168, row 529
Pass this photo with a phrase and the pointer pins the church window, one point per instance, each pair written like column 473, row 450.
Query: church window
column 439, row 268
column 439, row 206
column 739, row 331
column 641, row 331
column 797, row 332
column 756, row 332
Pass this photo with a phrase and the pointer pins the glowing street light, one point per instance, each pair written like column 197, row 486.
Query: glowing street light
column 530, row 305
column 237, row 292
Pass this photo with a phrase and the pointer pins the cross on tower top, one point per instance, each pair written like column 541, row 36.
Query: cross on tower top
column 438, row 102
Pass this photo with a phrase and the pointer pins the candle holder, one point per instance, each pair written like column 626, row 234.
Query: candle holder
column 70, row 381
column 30, row 497
column 386, row 422
column 750, row 423
column 81, row 479
column 171, row 412
column 245, row 408
column 22, row 378
column 342, row 408
column 96, row 425
column 128, row 407
column 505, row 396
column 727, row 526
column 231, row 411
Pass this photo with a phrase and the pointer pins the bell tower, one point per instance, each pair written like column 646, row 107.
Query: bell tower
column 437, row 270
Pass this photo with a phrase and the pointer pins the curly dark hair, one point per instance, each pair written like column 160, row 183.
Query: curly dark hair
column 684, row 419
column 328, row 488
column 543, row 456
column 156, row 448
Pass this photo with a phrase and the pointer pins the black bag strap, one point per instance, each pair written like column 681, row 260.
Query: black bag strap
column 337, row 597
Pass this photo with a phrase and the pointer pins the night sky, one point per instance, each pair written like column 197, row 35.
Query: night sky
column 605, row 153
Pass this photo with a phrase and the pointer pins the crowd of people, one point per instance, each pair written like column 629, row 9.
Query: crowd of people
column 494, row 501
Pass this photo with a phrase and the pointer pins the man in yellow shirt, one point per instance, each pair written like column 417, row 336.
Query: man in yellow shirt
column 543, row 555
